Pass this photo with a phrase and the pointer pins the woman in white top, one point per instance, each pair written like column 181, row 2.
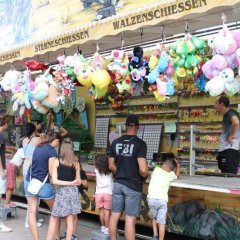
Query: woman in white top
column 103, row 194
column 30, row 141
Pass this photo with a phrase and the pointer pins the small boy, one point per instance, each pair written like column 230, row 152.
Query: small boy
column 158, row 194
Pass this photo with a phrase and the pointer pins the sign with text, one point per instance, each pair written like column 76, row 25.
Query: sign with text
column 51, row 25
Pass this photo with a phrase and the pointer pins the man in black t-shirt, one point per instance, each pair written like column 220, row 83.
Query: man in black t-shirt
column 127, row 161
column 228, row 157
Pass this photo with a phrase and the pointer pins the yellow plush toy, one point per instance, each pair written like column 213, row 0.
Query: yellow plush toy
column 101, row 78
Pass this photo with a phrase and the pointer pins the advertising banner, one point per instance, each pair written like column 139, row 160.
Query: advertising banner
column 28, row 28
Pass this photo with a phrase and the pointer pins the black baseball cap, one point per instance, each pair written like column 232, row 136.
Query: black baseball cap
column 132, row 120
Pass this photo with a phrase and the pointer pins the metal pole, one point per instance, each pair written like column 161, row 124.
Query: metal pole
column 193, row 129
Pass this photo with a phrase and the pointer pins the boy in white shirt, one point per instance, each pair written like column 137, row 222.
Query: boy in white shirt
column 158, row 194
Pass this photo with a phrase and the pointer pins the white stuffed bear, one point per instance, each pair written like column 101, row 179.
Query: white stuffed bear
column 10, row 79
column 232, row 85
column 217, row 85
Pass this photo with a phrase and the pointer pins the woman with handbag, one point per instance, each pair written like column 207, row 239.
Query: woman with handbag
column 29, row 143
column 42, row 164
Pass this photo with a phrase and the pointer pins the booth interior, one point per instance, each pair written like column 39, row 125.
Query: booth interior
column 166, row 86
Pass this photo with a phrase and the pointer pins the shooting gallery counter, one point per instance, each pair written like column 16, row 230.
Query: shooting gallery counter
column 211, row 191
column 209, row 183
column 197, row 182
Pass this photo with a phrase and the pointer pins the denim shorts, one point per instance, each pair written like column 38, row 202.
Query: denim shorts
column 158, row 209
column 46, row 192
column 126, row 199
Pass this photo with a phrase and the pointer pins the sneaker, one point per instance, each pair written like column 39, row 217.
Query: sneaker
column 155, row 238
column 38, row 225
column 40, row 220
column 3, row 228
column 63, row 236
column 102, row 229
column 106, row 231
column 11, row 205
column 74, row 237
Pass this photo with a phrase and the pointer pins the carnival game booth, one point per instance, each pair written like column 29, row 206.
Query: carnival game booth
column 171, row 87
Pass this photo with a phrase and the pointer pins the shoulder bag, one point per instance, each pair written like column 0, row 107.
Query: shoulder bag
column 35, row 185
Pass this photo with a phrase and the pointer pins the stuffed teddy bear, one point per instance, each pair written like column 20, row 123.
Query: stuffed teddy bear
column 10, row 79
column 232, row 85
column 217, row 85
column 37, row 105
column 212, row 67
column 41, row 90
column 52, row 99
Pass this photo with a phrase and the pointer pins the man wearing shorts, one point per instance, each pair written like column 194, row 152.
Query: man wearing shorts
column 228, row 157
column 127, row 160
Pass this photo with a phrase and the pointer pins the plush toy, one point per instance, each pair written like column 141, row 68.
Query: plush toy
column 226, row 43
column 98, row 62
column 84, row 75
column 37, row 105
column 155, row 56
column 137, row 62
column 101, row 79
column 232, row 85
column 35, row 65
column 52, row 99
column 99, row 93
column 41, row 90
column 159, row 97
column 119, row 65
column 212, row 67
column 10, row 79
column 162, row 65
column 216, row 85
column 186, row 56
column 21, row 100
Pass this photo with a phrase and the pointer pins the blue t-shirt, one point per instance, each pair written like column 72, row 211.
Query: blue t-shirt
column 40, row 161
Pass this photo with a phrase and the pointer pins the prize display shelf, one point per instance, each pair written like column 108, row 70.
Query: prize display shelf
column 152, row 116
column 199, row 111
column 184, row 111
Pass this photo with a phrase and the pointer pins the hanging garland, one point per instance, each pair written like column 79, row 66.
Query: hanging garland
column 80, row 104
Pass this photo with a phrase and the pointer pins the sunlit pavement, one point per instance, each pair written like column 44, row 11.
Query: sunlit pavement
column 85, row 226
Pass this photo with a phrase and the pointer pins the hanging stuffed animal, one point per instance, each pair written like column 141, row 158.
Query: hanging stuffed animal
column 21, row 100
column 138, row 67
column 186, row 55
column 10, row 79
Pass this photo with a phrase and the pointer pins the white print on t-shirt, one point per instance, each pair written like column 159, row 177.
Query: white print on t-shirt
column 125, row 149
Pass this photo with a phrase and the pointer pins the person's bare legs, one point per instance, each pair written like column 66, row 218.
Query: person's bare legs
column 130, row 223
column 106, row 217
column 113, row 222
column 155, row 227
column 50, row 203
column 70, row 227
column 75, row 223
column 8, row 196
column 161, row 231
column 53, row 224
column 32, row 209
column 101, row 216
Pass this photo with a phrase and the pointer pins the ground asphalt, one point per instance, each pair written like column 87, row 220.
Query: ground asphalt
column 86, row 224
